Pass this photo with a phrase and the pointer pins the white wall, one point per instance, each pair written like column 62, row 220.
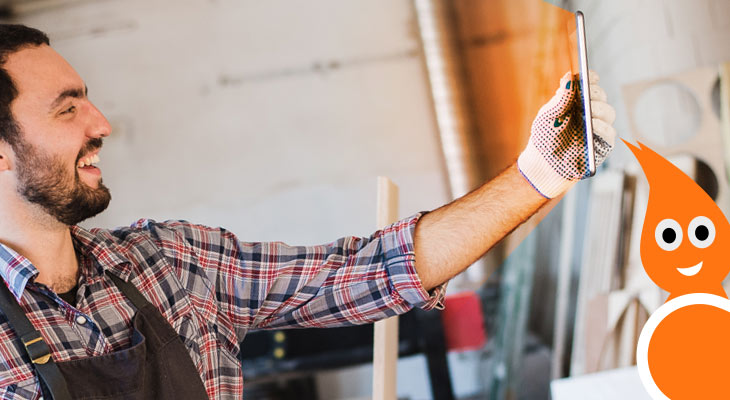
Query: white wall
column 272, row 118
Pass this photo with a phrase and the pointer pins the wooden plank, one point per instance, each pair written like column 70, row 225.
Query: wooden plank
column 387, row 206
column 599, row 275
column 385, row 347
column 562, row 296
column 508, row 44
column 725, row 112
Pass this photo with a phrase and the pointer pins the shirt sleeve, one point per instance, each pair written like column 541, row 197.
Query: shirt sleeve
column 271, row 285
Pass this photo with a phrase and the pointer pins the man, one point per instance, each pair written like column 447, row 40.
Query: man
column 157, row 310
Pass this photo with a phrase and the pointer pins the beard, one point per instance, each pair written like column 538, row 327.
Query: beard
column 45, row 180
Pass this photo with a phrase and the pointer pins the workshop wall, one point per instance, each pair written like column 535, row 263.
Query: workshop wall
column 272, row 119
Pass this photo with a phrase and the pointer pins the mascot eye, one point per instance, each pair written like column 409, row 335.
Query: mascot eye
column 668, row 234
column 701, row 232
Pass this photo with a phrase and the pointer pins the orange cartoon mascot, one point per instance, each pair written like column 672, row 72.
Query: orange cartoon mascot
column 683, row 349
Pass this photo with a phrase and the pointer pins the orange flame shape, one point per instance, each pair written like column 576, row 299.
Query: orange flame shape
column 696, row 260
column 683, row 348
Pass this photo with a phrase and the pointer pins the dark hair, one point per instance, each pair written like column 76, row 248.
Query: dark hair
column 13, row 38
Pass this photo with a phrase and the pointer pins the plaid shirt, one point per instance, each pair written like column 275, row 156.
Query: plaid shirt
column 212, row 288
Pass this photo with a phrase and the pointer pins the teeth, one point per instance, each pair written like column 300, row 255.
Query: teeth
column 88, row 161
column 690, row 271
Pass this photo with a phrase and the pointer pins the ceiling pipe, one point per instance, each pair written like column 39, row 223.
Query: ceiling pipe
column 446, row 75
column 442, row 53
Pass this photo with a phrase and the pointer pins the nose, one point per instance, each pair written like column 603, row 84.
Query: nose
column 99, row 126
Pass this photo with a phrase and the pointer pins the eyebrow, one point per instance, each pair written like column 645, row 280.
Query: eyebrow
column 77, row 93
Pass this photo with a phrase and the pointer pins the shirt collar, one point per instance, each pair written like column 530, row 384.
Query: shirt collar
column 17, row 270
column 98, row 244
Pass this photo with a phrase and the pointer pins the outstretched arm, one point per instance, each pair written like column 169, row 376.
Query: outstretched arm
column 452, row 237
column 449, row 239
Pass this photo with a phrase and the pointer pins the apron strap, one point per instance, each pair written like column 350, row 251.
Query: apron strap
column 36, row 348
column 129, row 291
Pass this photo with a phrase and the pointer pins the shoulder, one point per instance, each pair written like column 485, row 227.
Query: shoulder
column 178, row 240
column 163, row 233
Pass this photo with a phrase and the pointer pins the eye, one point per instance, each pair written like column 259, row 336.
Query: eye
column 69, row 110
column 701, row 232
column 668, row 234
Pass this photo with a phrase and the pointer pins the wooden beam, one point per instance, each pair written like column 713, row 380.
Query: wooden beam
column 385, row 347
column 725, row 111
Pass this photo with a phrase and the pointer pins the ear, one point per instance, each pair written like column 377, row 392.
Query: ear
column 6, row 152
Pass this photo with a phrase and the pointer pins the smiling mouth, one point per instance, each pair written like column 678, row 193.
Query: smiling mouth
column 689, row 271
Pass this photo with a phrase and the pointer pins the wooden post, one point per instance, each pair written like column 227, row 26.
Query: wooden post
column 725, row 111
column 385, row 347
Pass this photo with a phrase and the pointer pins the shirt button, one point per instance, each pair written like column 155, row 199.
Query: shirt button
column 80, row 320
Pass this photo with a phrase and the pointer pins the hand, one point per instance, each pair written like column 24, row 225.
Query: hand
column 555, row 156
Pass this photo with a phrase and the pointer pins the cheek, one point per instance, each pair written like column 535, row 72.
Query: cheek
column 651, row 253
column 716, row 254
column 656, row 260
column 60, row 145
column 652, row 260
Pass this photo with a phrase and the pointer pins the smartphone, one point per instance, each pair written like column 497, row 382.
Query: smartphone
column 585, row 95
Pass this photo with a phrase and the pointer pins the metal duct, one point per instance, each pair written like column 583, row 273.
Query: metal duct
column 436, row 24
column 442, row 52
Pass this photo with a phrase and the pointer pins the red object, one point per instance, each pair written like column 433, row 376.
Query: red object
column 463, row 322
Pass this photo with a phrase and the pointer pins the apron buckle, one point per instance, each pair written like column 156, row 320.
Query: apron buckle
column 36, row 347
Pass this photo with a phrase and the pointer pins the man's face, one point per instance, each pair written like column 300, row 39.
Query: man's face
column 61, row 134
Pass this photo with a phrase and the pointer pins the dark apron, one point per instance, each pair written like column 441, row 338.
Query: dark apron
column 156, row 366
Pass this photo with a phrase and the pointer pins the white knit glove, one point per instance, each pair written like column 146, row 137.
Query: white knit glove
column 555, row 157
